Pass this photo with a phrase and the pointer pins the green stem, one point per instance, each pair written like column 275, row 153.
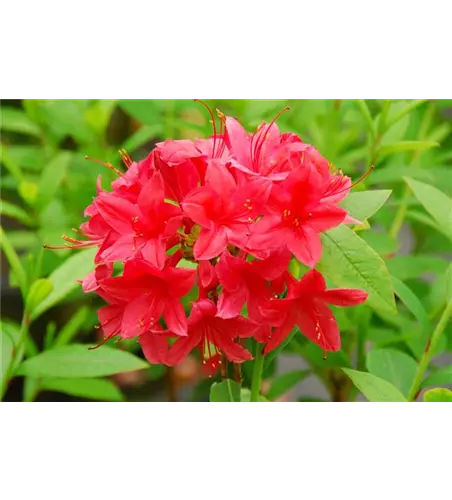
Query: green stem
column 18, row 354
column 257, row 374
column 399, row 218
column 425, row 360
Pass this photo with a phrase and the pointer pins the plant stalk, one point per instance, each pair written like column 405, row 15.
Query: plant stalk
column 257, row 373
column 425, row 360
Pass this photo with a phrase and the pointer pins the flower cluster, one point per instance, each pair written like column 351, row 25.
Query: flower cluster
column 225, row 214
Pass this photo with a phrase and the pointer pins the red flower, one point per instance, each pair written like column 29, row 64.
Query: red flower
column 248, row 282
column 213, row 336
column 223, row 210
column 299, row 215
column 141, row 296
column 145, row 226
column 306, row 306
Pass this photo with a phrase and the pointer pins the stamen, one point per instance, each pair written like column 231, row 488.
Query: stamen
column 106, row 339
column 125, row 157
column 108, row 165
column 260, row 143
column 213, row 123
column 361, row 179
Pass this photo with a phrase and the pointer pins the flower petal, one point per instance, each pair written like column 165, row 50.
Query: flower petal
column 155, row 347
column 183, row 345
column 306, row 246
column 344, row 296
column 210, row 243
column 230, row 303
column 175, row 319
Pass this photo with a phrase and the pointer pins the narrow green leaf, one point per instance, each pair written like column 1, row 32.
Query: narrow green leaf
column 414, row 305
column 10, row 163
column 225, row 391
column 367, row 116
column 38, row 292
column 77, row 361
column 272, row 355
column 348, row 261
column 437, row 204
column 402, row 146
column 15, row 212
column 72, row 327
column 31, row 389
column 443, row 376
column 13, row 260
column 438, row 396
column 142, row 136
column 375, row 389
column 51, row 177
column 404, row 111
column 364, row 204
column 64, row 278
column 285, row 382
column 393, row 366
column 406, row 267
column 89, row 388
column 144, row 110
column 7, row 344
column 15, row 120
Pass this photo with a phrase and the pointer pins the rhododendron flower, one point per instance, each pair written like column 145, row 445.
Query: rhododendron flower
column 223, row 210
column 306, row 306
column 236, row 207
column 143, row 294
column 145, row 226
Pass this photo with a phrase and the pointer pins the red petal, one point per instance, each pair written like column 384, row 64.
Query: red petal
column 122, row 248
column 117, row 212
column 238, row 141
column 194, row 205
column 155, row 347
column 312, row 283
column 230, row 303
column 325, row 217
column 319, row 325
column 155, row 252
column 140, row 315
column 219, row 178
column 234, row 352
column 344, row 296
column 152, row 195
column 175, row 319
column 306, row 246
column 210, row 243
column 279, row 334
column 180, row 349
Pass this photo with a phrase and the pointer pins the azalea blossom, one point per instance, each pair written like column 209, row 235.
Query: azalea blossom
column 306, row 306
column 219, row 219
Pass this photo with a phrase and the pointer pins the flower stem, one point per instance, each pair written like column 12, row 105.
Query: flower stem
column 257, row 374
column 425, row 360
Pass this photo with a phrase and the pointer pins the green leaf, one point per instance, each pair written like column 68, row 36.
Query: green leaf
column 375, row 389
column 383, row 243
column 245, row 396
column 28, row 191
column 404, row 111
column 364, row 204
column 410, row 300
column 402, row 146
column 15, row 212
column 406, row 267
column 142, row 136
column 10, row 163
column 226, row 391
column 7, row 352
column 89, row 388
column 367, row 117
column 144, row 110
column 437, row 204
column 443, row 376
column 15, row 120
column 393, row 366
column 348, row 261
column 438, row 396
column 38, row 292
column 77, row 361
column 72, row 327
column 273, row 354
column 13, row 260
column 285, row 382
column 51, row 178
column 64, row 278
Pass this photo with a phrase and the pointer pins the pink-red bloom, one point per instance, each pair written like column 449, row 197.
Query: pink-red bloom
column 306, row 306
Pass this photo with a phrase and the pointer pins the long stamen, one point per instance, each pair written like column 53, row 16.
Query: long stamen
column 361, row 179
column 105, row 164
column 264, row 134
column 106, row 339
column 125, row 157
column 213, row 123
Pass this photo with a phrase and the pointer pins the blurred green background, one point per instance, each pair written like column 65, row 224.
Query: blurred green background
column 46, row 183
